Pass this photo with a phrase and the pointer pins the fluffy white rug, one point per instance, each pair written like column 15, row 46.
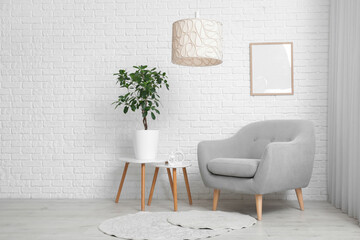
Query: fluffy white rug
column 214, row 220
column 156, row 226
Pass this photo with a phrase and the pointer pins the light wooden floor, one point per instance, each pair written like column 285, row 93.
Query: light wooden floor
column 78, row 219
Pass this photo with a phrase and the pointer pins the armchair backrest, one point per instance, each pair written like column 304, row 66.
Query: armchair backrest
column 254, row 137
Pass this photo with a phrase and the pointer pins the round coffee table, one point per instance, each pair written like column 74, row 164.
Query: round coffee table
column 127, row 161
column 172, row 180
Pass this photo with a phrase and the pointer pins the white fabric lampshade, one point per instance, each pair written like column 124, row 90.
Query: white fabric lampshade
column 197, row 42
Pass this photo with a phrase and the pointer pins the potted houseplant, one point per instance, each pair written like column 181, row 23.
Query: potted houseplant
column 142, row 87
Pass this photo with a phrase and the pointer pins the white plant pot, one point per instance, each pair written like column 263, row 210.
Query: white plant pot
column 146, row 144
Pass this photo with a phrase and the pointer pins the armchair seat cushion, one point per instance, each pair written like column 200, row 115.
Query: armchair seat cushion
column 234, row 167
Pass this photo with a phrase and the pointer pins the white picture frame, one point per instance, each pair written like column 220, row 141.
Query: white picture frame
column 271, row 69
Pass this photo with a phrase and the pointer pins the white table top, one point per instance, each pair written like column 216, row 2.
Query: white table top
column 134, row 160
column 161, row 163
column 178, row 165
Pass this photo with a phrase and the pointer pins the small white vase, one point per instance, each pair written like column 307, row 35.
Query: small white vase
column 145, row 144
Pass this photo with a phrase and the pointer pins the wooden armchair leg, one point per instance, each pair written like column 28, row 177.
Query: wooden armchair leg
column 258, row 198
column 216, row 198
column 300, row 198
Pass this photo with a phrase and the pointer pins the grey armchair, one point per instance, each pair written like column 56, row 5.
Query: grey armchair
column 263, row 157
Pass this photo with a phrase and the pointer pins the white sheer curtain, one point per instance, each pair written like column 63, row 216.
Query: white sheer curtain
column 344, row 107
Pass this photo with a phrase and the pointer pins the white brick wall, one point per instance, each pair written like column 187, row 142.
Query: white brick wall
column 60, row 135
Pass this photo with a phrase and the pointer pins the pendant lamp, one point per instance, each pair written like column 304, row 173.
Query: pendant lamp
column 197, row 42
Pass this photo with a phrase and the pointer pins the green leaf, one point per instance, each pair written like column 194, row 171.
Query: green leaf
column 142, row 89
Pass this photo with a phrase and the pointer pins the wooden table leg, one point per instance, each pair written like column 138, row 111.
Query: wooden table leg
column 142, row 186
column 175, row 189
column 122, row 182
column 170, row 180
column 153, row 186
column 187, row 185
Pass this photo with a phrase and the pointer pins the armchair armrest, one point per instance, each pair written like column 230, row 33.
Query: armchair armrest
column 208, row 150
column 285, row 165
